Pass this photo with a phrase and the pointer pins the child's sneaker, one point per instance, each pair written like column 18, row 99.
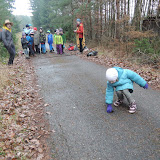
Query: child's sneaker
column 117, row 103
column 132, row 108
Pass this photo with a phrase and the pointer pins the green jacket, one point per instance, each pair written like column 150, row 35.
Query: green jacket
column 64, row 38
column 54, row 36
column 58, row 39
column 42, row 38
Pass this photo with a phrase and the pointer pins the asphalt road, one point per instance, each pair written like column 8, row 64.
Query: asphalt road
column 75, row 90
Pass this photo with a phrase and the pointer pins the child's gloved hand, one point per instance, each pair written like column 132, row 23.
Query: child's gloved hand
column 146, row 86
column 109, row 108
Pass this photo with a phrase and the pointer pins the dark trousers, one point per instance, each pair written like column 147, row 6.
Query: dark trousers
column 12, row 53
column 63, row 48
column 37, row 49
column 81, row 46
column 31, row 51
column 33, row 47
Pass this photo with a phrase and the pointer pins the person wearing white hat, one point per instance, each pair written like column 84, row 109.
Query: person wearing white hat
column 122, row 81
column 8, row 40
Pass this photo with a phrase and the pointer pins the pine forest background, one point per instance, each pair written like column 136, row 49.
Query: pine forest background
column 130, row 26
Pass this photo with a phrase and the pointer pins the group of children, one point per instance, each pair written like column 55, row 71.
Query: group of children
column 34, row 41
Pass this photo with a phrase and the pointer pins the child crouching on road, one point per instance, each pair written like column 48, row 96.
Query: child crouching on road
column 58, row 42
column 122, row 80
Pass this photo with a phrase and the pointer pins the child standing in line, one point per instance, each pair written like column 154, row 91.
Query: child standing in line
column 42, row 40
column 64, row 38
column 122, row 80
column 30, row 39
column 58, row 42
column 36, row 40
column 27, row 30
column 24, row 43
column 50, row 41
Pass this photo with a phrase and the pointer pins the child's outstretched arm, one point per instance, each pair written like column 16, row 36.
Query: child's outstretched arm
column 136, row 78
column 109, row 97
column 109, row 94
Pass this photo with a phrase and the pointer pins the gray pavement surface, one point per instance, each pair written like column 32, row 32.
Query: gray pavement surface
column 75, row 90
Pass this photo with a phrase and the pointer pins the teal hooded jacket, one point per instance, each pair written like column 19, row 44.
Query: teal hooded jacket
column 126, row 78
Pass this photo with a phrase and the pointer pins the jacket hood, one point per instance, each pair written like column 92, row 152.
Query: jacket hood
column 120, row 71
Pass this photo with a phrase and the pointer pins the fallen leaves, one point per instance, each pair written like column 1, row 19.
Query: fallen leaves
column 22, row 126
column 49, row 113
column 46, row 105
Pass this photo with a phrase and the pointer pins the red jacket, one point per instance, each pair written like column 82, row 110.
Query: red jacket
column 80, row 30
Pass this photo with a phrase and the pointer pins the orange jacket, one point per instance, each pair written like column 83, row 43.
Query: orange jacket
column 80, row 30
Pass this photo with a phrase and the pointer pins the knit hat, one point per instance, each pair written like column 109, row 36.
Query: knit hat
column 78, row 20
column 111, row 74
column 48, row 31
column 35, row 28
column 27, row 25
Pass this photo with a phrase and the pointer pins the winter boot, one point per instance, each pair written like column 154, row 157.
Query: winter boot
column 118, row 102
column 132, row 108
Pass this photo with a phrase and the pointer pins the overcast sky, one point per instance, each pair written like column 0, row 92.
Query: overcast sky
column 22, row 7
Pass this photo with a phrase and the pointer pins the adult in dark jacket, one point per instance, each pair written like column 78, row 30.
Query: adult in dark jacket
column 8, row 40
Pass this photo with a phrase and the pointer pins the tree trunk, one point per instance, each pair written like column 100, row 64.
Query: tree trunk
column 101, row 18
column 137, row 15
column 90, row 20
column 158, row 9
column 118, row 17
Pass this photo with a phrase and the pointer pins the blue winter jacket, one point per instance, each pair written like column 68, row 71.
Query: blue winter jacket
column 126, row 78
column 50, row 39
column 30, row 40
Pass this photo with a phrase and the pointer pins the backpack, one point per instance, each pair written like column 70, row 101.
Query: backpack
column 71, row 48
